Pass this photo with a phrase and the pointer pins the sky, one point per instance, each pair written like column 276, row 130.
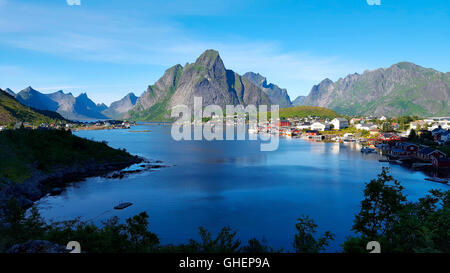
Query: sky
column 109, row 48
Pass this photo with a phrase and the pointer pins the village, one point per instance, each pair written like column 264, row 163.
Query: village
column 421, row 143
column 72, row 125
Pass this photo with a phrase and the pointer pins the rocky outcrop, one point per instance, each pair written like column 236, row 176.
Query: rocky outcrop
column 10, row 92
column 276, row 94
column 37, row 246
column 402, row 89
column 118, row 108
column 41, row 184
column 300, row 100
column 207, row 78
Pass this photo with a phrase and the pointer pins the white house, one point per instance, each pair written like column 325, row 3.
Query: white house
column 383, row 118
column 366, row 126
column 319, row 126
column 339, row 123
column 304, row 125
column 416, row 124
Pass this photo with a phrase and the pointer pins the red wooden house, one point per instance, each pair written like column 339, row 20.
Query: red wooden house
column 441, row 162
column 284, row 123
column 312, row 133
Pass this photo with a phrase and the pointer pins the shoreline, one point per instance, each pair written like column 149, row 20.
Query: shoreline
column 41, row 184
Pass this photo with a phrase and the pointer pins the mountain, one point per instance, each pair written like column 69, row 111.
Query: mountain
column 402, row 89
column 12, row 111
column 70, row 107
column 35, row 99
column 300, row 100
column 207, row 78
column 10, row 92
column 118, row 108
column 85, row 107
column 276, row 94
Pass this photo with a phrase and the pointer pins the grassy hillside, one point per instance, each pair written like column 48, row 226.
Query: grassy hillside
column 402, row 89
column 158, row 112
column 307, row 111
column 12, row 111
column 26, row 151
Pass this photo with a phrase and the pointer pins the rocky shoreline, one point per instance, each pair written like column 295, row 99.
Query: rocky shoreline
column 41, row 184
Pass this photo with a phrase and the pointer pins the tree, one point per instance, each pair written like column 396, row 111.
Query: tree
column 383, row 198
column 386, row 127
column 225, row 242
column 304, row 241
column 398, row 225
column 412, row 135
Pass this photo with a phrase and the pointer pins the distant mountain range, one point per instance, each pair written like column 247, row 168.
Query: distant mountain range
column 12, row 111
column 119, row 108
column 300, row 100
column 75, row 108
column 402, row 89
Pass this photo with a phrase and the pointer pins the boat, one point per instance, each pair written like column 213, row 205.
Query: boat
column 367, row 150
column 123, row 205
column 437, row 179
column 396, row 161
column 420, row 165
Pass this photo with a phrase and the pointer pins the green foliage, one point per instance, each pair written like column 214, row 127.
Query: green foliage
column 12, row 111
column 24, row 151
column 256, row 246
column 306, row 111
column 387, row 127
column 160, row 110
column 398, row 225
column 225, row 242
column 383, row 198
column 305, row 242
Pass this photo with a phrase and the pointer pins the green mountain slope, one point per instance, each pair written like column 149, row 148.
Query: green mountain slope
column 12, row 111
column 307, row 111
column 402, row 89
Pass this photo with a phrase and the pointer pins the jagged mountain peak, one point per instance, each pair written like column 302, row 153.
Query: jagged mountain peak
column 67, row 105
column 28, row 90
column 83, row 95
column 276, row 94
column 10, row 92
column 211, row 60
column 403, row 88
column 256, row 78
column 208, row 57
column 207, row 77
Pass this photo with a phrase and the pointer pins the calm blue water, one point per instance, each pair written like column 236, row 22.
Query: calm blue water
column 220, row 183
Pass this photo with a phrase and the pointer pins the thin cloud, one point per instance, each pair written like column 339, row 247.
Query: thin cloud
column 88, row 36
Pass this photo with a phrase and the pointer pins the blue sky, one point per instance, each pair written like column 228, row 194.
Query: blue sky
column 108, row 48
